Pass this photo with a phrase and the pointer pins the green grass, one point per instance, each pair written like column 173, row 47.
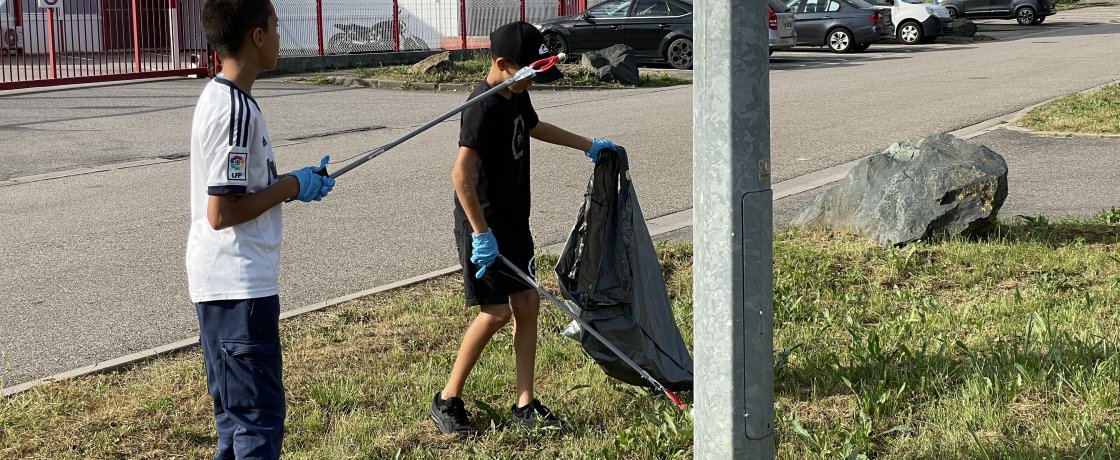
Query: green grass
column 1073, row 5
column 474, row 69
column 1095, row 112
column 318, row 80
column 1006, row 347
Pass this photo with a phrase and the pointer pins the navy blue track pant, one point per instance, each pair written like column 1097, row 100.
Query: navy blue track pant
column 241, row 351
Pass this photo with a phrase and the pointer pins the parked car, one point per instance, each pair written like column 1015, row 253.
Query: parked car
column 841, row 25
column 1026, row 12
column 783, row 33
column 918, row 22
column 658, row 30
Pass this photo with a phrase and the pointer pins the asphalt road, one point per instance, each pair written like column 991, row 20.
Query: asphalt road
column 91, row 260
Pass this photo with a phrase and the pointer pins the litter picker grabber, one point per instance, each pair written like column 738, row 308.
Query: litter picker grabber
column 583, row 324
column 525, row 73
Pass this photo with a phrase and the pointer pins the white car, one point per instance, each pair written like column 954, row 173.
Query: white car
column 918, row 22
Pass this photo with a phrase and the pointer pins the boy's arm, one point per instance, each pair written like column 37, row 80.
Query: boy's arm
column 553, row 134
column 225, row 211
column 462, row 177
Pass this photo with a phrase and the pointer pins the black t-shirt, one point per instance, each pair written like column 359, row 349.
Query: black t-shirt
column 498, row 128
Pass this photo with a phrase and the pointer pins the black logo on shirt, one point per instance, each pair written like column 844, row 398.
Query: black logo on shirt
column 518, row 138
column 271, row 171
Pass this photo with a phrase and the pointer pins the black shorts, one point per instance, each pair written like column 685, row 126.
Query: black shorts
column 499, row 281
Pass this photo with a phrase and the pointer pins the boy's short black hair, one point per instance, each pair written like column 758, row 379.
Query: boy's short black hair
column 227, row 23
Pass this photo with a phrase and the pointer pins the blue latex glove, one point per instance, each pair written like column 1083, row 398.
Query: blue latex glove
column 597, row 147
column 484, row 251
column 312, row 186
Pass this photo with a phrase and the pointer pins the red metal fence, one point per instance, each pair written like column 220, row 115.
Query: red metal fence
column 82, row 41
column 98, row 40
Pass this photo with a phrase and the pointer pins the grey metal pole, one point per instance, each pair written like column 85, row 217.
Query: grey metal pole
column 732, row 201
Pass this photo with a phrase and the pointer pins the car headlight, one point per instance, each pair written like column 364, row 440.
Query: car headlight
column 931, row 11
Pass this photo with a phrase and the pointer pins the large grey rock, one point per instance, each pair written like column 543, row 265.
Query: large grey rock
column 915, row 189
column 963, row 27
column 615, row 63
column 440, row 62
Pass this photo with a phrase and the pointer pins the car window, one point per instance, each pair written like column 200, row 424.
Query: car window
column 792, row 4
column 652, row 8
column 679, row 9
column 610, row 9
column 860, row 4
column 778, row 6
column 821, row 6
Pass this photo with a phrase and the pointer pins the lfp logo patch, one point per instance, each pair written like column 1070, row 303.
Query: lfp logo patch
column 238, row 163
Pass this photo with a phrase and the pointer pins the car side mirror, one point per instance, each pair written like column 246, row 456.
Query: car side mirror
column 586, row 16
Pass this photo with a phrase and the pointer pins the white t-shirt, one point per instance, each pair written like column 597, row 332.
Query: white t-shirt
column 231, row 155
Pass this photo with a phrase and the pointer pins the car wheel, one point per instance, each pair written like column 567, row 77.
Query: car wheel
column 679, row 53
column 556, row 43
column 860, row 47
column 953, row 13
column 1025, row 15
column 840, row 40
column 910, row 33
column 1039, row 20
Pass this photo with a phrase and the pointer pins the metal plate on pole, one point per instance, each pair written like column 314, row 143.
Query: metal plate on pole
column 50, row 4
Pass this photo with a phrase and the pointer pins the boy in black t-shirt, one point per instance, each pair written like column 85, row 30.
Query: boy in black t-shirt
column 492, row 202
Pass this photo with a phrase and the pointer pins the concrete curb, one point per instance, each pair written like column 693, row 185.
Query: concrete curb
column 291, row 64
column 412, row 85
column 152, row 353
column 83, row 170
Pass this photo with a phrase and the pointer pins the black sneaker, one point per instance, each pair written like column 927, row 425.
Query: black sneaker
column 535, row 415
column 450, row 416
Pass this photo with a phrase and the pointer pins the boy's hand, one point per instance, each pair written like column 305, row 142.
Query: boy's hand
column 312, row 186
column 484, row 251
column 597, row 147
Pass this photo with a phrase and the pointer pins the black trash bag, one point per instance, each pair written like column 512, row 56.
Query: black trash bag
column 609, row 270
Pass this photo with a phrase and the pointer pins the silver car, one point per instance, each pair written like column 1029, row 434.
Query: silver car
column 783, row 35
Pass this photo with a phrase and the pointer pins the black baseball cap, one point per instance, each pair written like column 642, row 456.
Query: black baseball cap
column 522, row 43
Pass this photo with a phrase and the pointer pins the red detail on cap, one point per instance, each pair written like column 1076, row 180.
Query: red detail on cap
column 545, row 64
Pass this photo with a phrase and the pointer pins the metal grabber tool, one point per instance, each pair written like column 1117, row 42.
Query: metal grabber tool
column 521, row 75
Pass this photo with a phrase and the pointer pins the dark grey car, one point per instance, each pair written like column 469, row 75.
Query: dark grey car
column 841, row 25
column 1026, row 12
column 658, row 30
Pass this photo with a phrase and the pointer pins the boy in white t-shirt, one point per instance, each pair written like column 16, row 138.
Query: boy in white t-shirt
column 233, row 250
